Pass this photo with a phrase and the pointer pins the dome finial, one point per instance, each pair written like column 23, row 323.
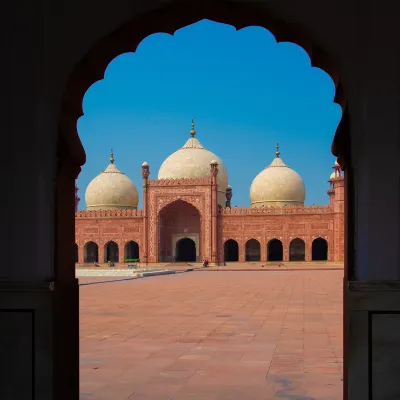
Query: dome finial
column 192, row 131
column 112, row 157
column 277, row 152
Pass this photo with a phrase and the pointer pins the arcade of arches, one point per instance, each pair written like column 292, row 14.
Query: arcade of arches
column 39, row 292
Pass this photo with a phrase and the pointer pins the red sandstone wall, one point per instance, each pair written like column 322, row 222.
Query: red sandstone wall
column 264, row 227
column 101, row 230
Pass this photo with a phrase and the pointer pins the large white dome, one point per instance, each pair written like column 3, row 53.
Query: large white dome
column 193, row 161
column 277, row 185
column 111, row 190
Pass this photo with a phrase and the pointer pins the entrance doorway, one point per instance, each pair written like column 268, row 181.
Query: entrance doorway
column 297, row 250
column 253, row 250
column 179, row 220
column 319, row 250
column 231, row 251
column 275, row 250
column 185, row 250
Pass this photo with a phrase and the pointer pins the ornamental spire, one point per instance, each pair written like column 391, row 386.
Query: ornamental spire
column 112, row 157
column 192, row 131
column 277, row 152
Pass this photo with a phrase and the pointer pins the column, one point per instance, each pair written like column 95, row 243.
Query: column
column 214, row 212
column 263, row 251
column 144, row 251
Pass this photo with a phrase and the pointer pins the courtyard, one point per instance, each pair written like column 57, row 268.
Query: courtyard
column 213, row 335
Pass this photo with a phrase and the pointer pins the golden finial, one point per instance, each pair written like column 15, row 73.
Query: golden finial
column 112, row 157
column 192, row 131
column 277, row 150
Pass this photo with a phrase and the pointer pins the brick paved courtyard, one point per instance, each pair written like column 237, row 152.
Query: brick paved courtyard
column 217, row 335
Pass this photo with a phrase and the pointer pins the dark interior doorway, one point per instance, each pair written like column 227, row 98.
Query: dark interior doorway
column 297, row 250
column 253, row 250
column 91, row 252
column 231, row 250
column 131, row 251
column 275, row 250
column 112, row 252
column 319, row 250
column 185, row 250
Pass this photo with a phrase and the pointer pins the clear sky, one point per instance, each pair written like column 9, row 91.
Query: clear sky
column 245, row 91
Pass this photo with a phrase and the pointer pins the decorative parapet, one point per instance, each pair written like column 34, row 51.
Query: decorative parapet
column 180, row 182
column 134, row 213
column 276, row 210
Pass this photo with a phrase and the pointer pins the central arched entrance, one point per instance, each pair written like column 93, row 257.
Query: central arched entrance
column 179, row 227
column 185, row 250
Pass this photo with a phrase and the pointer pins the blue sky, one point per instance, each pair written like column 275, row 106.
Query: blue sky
column 245, row 91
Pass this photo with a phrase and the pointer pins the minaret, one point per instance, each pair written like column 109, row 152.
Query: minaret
column 145, row 175
column 336, row 194
column 228, row 195
column 77, row 199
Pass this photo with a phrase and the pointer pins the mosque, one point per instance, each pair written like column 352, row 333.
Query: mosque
column 187, row 215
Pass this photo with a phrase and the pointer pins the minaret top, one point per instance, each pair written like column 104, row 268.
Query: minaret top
column 112, row 157
column 277, row 152
column 192, row 131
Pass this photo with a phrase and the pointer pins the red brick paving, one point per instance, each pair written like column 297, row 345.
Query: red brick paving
column 222, row 335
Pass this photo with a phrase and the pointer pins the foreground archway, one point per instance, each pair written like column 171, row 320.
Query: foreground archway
column 131, row 251
column 76, row 253
column 319, row 249
column 231, row 251
column 297, row 250
column 125, row 39
column 111, row 252
column 185, row 250
column 91, row 252
column 253, row 250
column 275, row 250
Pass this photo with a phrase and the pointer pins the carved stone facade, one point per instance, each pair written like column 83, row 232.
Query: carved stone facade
column 219, row 234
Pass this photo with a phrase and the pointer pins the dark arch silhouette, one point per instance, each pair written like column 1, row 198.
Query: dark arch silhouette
column 274, row 250
column 253, row 250
column 185, row 250
column 297, row 250
column 231, row 250
column 319, row 249
column 131, row 250
column 91, row 252
column 111, row 252
column 76, row 253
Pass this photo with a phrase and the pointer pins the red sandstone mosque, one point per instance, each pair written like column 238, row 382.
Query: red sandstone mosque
column 187, row 215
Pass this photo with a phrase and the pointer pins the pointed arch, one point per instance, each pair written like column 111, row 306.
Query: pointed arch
column 111, row 252
column 275, row 250
column 319, row 249
column 297, row 250
column 91, row 252
column 231, row 251
column 253, row 250
column 131, row 251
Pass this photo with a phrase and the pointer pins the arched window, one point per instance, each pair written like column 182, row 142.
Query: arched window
column 111, row 252
column 131, row 251
column 91, row 252
column 297, row 250
column 231, row 250
column 319, row 249
column 274, row 250
column 253, row 250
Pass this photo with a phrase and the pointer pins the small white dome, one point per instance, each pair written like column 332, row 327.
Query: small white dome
column 145, row 164
column 112, row 189
column 193, row 161
column 333, row 175
column 277, row 185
